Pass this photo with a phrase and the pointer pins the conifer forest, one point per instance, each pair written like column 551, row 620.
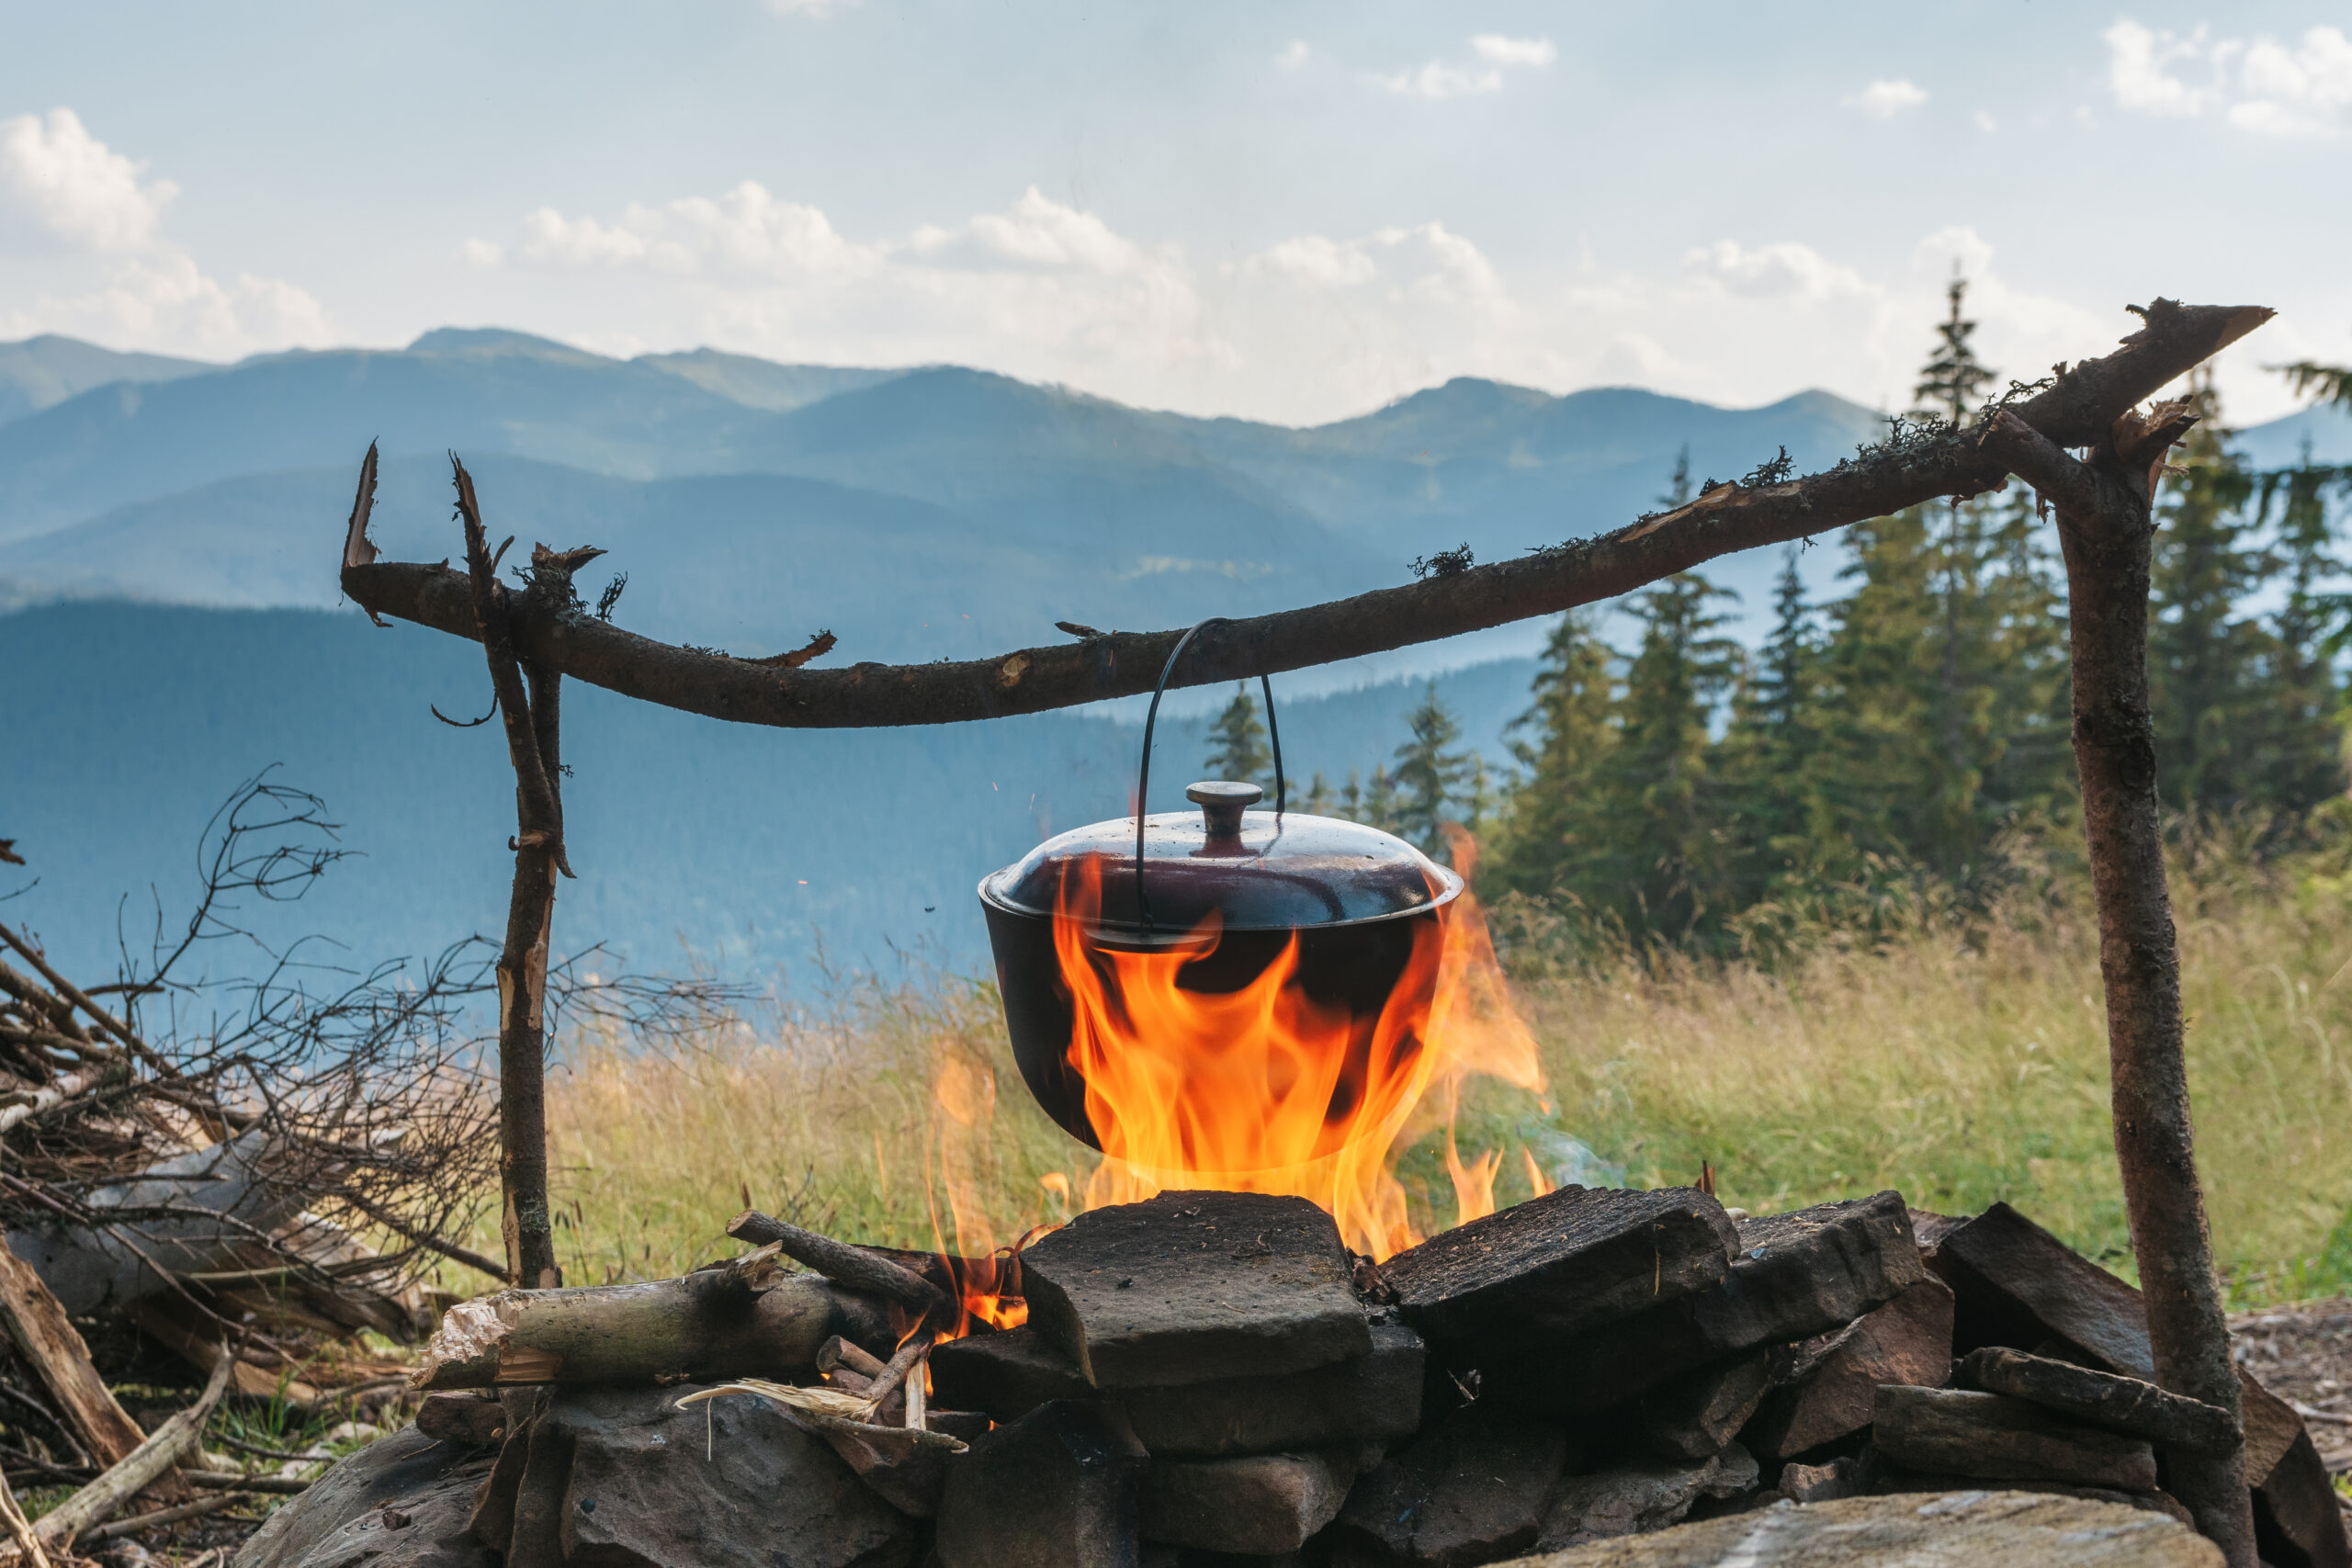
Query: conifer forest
column 1903, row 739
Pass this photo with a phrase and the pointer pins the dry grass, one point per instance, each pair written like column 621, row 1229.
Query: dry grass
column 1961, row 1067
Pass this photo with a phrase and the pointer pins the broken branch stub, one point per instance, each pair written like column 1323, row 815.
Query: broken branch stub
column 856, row 1267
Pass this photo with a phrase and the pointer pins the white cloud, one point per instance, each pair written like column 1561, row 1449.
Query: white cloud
column 1438, row 79
column 66, row 183
column 1311, row 326
column 1985, row 122
column 1038, row 288
column 816, row 9
column 1501, row 50
column 1294, row 54
column 84, row 220
column 1885, row 99
column 2260, row 84
column 1785, row 269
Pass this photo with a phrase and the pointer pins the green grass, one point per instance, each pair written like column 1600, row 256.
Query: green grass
column 1960, row 1062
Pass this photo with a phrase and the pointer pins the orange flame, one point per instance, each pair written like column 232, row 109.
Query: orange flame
column 1264, row 1090
column 986, row 1276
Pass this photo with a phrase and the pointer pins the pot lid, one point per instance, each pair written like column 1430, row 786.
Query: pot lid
column 1255, row 870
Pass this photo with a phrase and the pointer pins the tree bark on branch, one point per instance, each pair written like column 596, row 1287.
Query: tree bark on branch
column 528, row 697
column 2074, row 411
column 2106, row 529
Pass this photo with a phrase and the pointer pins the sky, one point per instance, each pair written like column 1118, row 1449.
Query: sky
column 1283, row 210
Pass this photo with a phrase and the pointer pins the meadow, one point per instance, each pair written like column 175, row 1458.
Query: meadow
column 1958, row 1058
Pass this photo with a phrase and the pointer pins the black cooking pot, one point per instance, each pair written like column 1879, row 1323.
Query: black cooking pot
column 1230, row 886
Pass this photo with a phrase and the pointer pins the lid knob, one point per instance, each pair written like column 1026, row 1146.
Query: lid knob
column 1222, row 803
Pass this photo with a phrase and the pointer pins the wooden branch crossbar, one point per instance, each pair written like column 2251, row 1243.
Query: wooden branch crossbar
column 2075, row 410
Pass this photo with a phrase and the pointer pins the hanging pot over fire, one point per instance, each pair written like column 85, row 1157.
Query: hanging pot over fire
column 1158, row 969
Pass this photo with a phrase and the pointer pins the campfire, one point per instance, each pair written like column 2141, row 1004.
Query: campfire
column 1266, row 1087
column 1242, row 1351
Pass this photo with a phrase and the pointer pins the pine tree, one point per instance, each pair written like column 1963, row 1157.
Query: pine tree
column 1952, row 381
column 1766, row 756
column 1379, row 807
column 1237, row 744
column 1662, row 814
column 2205, row 659
column 2306, row 763
column 2028, row 767
column 1561, row 743
column 1433, row 775
column 1873, row 762
column 1321, row 799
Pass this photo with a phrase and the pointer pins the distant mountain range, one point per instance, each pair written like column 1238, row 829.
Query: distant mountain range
column 920, row 513
column 999, row 507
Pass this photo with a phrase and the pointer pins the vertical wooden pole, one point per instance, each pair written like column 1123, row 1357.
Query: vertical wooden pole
column 2105, row 528
column 534, row 744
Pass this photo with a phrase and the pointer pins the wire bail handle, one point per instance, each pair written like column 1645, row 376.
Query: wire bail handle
column 1151, row 717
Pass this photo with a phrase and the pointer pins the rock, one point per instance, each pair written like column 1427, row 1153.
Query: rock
column 2018, row 1285
column 1881, row 1478
column 1821, row 1483
column 474, row 1419
column 1056, row 1489
column 1823, row 1387
column 1798, row 1274
column 1623, row 1501
column 1190, row 1287
column 1007, row 1374
column 1259, row 1505
column 1469, row 1490
column 2100, row 1399
column 403, row 1502
column 1373, row 1398
column 1696, row 1415
column 623, row 1478
column 1961, row 1432
column 1528, row 1275
column 1967, row 1529
column 2296, row 1521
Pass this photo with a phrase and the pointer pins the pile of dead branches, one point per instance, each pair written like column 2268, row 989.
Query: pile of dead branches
column 246, row 1149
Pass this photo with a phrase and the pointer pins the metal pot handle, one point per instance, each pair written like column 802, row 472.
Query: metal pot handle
column 1142, row 776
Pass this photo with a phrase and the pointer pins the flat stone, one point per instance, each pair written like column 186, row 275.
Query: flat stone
column 1059, row 1488
column 1372, row 1398
column 403, row 1502
column 1632, row 1498
column 1255, row 1504
column 1965, row 1529
column 1823, row 1387
column 1531, row 1275
column 1469, row 1490
column 2100, row 1399
column 2296, row 1517
column 1190, row 1287
column 730, row 1484
column 1962, row 1432
column 1880, row 1478
column 1696, row 1415
column 1821, row 1483
column 2016, row 1284
column 1797, row 1274
column 1007, row 1374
